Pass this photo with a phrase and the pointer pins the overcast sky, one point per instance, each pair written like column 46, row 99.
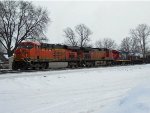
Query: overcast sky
column 111, row 19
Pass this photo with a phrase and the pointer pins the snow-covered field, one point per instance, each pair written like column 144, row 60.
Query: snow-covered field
column 123, row 89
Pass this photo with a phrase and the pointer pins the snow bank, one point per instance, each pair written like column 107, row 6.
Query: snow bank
column 94, row 90
column 136, row 101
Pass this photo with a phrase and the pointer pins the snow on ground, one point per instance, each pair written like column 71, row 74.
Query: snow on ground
column 136, row 101
column 122, row 89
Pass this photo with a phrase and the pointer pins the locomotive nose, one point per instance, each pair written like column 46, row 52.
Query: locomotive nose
column 18, row 51
column 20, row 54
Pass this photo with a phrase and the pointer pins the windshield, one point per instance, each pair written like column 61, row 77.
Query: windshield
column 27, row 46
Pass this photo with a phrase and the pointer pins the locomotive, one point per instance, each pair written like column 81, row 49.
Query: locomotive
column 35, row 55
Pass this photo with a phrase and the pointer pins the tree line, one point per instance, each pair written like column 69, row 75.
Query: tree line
column 21, row 20
column 137, row 42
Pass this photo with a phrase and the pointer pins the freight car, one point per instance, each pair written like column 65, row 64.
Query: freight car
column 35, row 55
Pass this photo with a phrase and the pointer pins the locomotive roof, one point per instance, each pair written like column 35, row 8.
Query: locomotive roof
column 59, row 46
column 100, row 49
column 86, row 49
column 73, row 47
column 29, row 42
column 115, row 51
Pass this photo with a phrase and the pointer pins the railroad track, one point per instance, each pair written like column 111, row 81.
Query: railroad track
column 6, row 71
column 18, row 71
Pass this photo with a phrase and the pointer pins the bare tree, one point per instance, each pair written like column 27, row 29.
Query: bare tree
column 109, row 43
column 70, row 36
column 130, row 45
column 135, row 47
column 99, row 44
column 126, row 44
column 80, row 39
column 1, row 48
column 141, row 33
column 83, row 34
column 106, row 43
column 20, row 20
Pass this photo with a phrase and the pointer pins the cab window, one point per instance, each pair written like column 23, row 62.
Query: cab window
column 29, row 46
column 26, row 46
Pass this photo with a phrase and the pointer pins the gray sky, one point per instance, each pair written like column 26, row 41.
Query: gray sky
column 111, row 19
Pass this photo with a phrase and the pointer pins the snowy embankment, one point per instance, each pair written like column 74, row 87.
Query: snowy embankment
column 95, row 90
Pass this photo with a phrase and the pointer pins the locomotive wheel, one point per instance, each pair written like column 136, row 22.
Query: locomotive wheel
column 41, row 66
column 24, row 66
column 46, row 65
column 14, row 66
column 37, row 66
column 33, row 68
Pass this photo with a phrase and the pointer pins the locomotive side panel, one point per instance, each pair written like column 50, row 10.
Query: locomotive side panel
column 58, row 64
column 71, row 56
column 97, row 55
column 59, row 54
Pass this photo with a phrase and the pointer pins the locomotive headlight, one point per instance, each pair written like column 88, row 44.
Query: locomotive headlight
column 14, row 55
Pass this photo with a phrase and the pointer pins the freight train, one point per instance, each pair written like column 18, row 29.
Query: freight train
column 35, row 55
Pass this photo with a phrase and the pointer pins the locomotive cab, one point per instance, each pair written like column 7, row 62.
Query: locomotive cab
column 23, row 55
column 25, row 50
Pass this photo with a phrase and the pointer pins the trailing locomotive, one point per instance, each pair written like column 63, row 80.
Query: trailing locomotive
column 35, row 55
